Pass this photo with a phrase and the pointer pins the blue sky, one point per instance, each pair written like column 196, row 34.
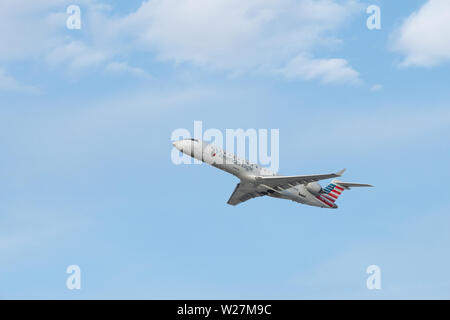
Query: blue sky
column 86, row 176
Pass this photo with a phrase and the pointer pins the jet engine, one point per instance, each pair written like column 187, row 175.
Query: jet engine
column 314, row 187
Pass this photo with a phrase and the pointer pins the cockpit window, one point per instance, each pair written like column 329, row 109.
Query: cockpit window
column 193, row 140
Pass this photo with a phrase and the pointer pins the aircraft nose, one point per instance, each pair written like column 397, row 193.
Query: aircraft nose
column 177, row 144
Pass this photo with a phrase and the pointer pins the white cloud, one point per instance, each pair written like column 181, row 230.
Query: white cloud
column 9, row 84
column 259, row 36
column 424, row 36
column 240, row 36
column 40, row 34
column 327, row 70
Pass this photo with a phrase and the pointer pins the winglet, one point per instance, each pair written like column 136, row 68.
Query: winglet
column 340, row 173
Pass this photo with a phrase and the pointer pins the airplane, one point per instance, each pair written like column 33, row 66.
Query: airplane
column 257, row 181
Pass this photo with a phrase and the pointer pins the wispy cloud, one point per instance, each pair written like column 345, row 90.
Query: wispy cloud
column 29, row 27
column 123, row 67
column 376, row 87
column 9, row 84
column 413, row 266
column 76, row 55
column 326, row 70
column 372, row 129
column 27, row 228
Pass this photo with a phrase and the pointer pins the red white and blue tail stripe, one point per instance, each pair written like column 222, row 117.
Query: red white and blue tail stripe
column 330, row 194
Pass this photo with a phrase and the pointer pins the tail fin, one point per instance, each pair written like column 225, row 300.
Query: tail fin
column 332, row 191
column 335, row 189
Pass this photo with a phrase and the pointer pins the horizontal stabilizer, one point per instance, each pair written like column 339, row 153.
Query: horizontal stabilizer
column 348, row 185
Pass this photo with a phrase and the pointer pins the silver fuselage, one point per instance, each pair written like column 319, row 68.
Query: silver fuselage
column 244, row 170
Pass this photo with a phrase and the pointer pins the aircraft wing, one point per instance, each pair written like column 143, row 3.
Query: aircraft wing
column 285, row 182
column 242, row 193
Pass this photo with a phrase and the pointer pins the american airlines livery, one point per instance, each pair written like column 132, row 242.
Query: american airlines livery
column 257, row 181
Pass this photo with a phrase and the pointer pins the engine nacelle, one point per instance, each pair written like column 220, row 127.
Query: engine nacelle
column 314, row 187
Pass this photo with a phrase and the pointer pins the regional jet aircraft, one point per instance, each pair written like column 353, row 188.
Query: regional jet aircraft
column 257, row 181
